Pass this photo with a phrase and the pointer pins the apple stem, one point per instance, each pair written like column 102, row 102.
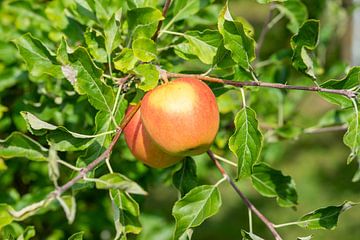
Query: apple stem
column 344, row 92
column 247, row 202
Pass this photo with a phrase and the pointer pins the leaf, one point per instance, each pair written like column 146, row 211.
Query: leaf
column 112, row 34
column 352, row 138
column 88, row 81
column 59, row 138
column 96, row 45
column 304, row 41
column 195, row 207
column 125, row 61
column 356, row 176
column 182, row 9
column 144, row 49
column 305, row 238
column 246, row 142
column 272, row 183
column 126, row 213
column 350, row 81
column 5, row 216
column 324, row 218
column 68, row 203
column 203, row 44
column 236, row 40
column 28, row 233
column 40, row 61
column 20, row 145
column 53, row 166
column 149, row 76
column 249, row 236
column 119, row 181
column 185, row 178
column 77, row 236
column 143, row 21
column 295, row 11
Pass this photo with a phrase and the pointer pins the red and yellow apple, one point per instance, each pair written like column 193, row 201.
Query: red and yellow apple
column 143, row 147
column 181, row 116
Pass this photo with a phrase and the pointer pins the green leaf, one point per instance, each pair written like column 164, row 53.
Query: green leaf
column 55, row 12
column 185, row 178
column 272, row 183
column 149, row 76
column 40, row 61
column 125, row 61
column 195, row 207
column 304, row 41
column 126, row 213
column 305, row 238
column 249, row 236
column 88, row 81
column 182, row 9
column 203, row 44
column 20, row 145
column 68, row 203
column 236, row 40
column 352, row 138
column 119, row 181
column 28, row 233
column 356, row 176
column 295, row 11
column 112, row 34
column 246, row 142
column 96, row 45
column 5, row 216
column 350, row 81
column 53, row 166
column 144, row 49
column 324, row 218
column 143, row 21
column 77, row 236
column 59, row 138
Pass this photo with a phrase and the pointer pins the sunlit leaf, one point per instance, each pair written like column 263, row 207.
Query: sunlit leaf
column 144, row 49
column 249, row 236
column 119, row 181
column 236, row 40
column 295, row 11
column 125, row 61
column 5, row 216
column 77, row 236
column 149, row 76
column 195, row 207
column 246, row 142
column 143, row 21
column 352, row 138
column 68, row 203
column 20, row 145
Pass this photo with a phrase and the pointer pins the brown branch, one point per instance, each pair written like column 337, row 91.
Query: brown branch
column 164, row 12
column 101, row 158
column 343, row 92
column 247, row 202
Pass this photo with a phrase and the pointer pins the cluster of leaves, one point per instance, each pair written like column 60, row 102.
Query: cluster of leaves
column 63, row 63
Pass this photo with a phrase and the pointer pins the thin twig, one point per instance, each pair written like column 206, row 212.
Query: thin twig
column 247, row 202
column 264, row 31
column 326, row 129
column 347, row 93
column 164, row 12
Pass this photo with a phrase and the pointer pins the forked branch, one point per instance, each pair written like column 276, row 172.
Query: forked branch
column 247, row 202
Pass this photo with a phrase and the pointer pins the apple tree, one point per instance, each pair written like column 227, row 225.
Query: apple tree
column 69, row 70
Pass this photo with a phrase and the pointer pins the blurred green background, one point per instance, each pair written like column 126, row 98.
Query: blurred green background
column 317, row 162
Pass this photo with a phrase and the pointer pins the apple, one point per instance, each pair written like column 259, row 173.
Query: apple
column 181, row 116
column 143, row 147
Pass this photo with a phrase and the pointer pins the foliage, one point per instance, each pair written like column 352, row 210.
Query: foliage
column 70, row 68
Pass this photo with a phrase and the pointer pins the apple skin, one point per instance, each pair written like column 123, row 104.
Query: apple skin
column 181, row 116
column 143, row 147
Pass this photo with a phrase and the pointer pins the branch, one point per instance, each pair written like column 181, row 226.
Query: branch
column 164, row 12
column 247, row 202
column 264, row 31
column 347, row 93
column 31, row 209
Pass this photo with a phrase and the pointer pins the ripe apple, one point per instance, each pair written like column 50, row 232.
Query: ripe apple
column 143, row 147
column 181, row 116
